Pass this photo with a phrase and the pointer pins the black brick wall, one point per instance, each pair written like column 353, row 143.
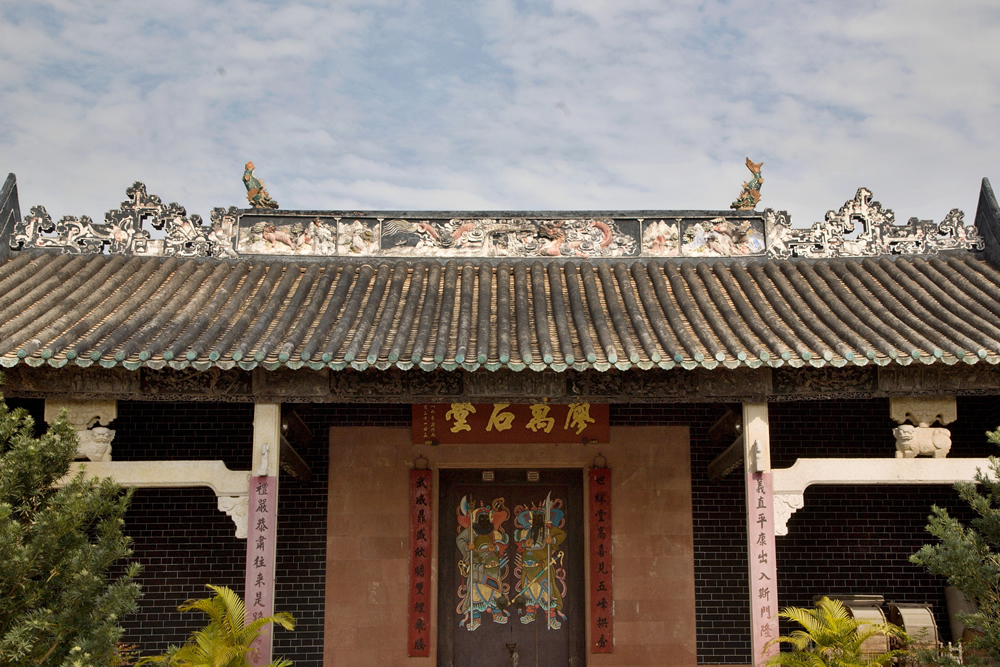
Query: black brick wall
column 857, row 539
column 181, row 538
column 186, row 528
column 845, row 540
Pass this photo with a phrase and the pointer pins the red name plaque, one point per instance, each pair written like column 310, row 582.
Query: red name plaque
column 602, row 605
column 419, row 612
column 503, row 423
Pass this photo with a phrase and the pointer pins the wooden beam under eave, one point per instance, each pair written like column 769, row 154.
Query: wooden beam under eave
column 728, row 426
column 727, row 461
column 293, row 463
column 294, row 433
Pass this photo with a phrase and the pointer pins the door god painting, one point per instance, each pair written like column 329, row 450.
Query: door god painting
column 483, row 544
column 541, row 579
column 538, row 573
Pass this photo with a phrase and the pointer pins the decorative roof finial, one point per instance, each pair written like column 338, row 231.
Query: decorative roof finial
column 256, row 192
column 750, row 194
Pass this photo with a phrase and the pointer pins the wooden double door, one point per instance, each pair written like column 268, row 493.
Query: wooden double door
column 510, row 569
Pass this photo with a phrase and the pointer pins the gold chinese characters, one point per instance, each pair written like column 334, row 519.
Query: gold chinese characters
column 501, row 419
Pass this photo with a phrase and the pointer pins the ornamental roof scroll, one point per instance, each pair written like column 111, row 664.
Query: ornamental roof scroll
column 860, row 228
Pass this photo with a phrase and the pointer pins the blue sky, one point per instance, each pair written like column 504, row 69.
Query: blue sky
column 501, row 104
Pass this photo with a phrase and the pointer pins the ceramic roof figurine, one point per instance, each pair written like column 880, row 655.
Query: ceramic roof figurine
column 750, row 195
column 256, row 192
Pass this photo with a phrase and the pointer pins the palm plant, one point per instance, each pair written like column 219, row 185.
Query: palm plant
column 831, row 637
column 226, row 640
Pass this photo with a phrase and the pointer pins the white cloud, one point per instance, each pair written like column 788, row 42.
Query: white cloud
column 514, row 104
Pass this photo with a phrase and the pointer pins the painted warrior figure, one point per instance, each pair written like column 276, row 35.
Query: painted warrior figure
column 256, row 192
column 482, row 542
column 538, row 536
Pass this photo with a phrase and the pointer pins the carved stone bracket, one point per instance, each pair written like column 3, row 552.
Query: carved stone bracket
column 923, row 411
column 229, row 485
column 785, row 505
column 791, row 483
column 238, row 508
column 83, row 416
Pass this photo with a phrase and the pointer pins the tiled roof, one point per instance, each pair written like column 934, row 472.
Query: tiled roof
column 167, row 312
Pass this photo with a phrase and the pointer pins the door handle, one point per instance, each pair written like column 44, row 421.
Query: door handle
column 513, row 654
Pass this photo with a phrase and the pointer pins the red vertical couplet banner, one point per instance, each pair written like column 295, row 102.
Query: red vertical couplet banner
column 763, row 570
column 602, row 602
column 419, row 613
column 262, row 516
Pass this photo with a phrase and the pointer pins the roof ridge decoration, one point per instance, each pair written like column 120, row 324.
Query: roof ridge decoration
column 122, row 231
column 879, row 234
column 750, row 194
column 10, row 213
column 256, row 192
column 237, row 233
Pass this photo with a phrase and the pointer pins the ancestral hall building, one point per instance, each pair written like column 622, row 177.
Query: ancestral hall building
column 496, row 438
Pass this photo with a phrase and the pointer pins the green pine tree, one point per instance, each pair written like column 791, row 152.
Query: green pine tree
column 59, row 605
column 969, row 555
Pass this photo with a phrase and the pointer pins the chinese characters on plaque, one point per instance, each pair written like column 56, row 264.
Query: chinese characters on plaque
column 602, row 617
column 475, row 423
column 261, row 539
column 419, row 614
column 763, row 586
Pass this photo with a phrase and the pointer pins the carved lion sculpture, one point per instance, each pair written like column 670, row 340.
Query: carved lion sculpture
column 914, row 441
column 95, row 444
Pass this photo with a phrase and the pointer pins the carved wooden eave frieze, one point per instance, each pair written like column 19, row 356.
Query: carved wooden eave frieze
column 305, row 386
column 235, row 233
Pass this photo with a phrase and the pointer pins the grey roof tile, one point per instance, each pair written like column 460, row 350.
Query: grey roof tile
column 429, row 313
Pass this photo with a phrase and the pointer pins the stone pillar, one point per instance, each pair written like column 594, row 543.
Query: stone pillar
column 763, row 583
column 262, row 523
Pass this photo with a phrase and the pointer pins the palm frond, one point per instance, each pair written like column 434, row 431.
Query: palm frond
column 282, row 618
column 226, row 640
column 235, row 610
column 207, row 606
column 831, row 637
column 804, row 617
